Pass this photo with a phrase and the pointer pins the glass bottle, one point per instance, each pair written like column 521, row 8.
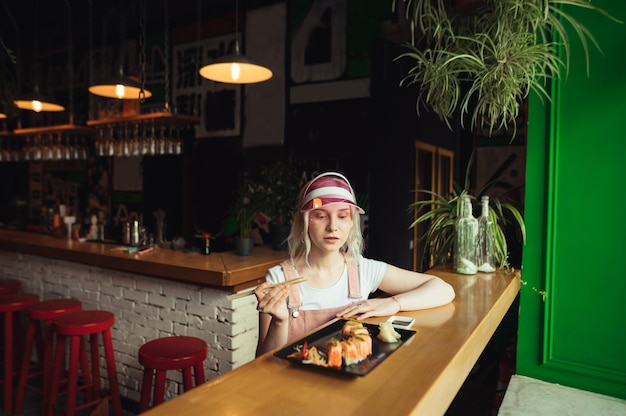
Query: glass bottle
column 207, row 243
column 134, row 235
column 126, row 233
column 466, row 239
column 486, row 260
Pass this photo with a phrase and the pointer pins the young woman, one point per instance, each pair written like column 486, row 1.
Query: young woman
column 325, row 248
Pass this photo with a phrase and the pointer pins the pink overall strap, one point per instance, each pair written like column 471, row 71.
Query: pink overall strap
column 353, row 278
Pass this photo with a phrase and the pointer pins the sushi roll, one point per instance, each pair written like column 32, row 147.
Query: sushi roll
column 364, row 345
column 350, row 327
column 350, row 352
column 334, row 353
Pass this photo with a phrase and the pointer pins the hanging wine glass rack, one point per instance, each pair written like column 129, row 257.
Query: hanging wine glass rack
column 150, row 134
column 50, row 143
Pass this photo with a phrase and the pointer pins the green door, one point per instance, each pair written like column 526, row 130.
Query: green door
column 576, row 220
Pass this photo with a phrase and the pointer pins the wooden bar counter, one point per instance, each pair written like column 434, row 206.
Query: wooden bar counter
column 226, row 270
column 156, row 294
column 422, row 377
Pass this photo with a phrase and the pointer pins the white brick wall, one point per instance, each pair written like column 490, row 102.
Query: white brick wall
column 145, row 308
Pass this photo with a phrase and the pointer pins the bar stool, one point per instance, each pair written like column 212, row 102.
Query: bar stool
column 72, row 327
column 40, row 331
column 170, row 353
column 9, row 305
column 8, row 286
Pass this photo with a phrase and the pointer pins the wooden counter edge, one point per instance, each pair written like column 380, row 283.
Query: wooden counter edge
column 438, row 399
column 435, row 401
column 228, row 280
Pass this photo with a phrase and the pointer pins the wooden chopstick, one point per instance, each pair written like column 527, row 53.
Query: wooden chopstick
column 251, row 291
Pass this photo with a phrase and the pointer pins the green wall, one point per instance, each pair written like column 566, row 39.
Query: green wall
column 576, row 220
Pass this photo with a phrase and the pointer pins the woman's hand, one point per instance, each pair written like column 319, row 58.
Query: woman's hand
column 273, row 301
column 369, row 308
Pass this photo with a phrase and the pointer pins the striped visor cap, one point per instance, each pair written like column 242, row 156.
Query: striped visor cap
column 329, row 188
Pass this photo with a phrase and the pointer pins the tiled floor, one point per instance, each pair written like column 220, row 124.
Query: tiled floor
column 528, row 396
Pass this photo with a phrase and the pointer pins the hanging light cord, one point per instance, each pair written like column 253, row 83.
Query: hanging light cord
column 36, row 51
column 142, row 54
column 70, row 60
column 167, row 57
column 122, row 39
column 237, row 27
column 196, row 106
column 91, row 104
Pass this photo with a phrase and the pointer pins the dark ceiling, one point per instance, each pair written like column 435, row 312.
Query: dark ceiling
column 41, row 30
column 43, row 24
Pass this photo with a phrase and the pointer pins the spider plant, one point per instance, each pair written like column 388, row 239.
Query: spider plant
column 486, row 63
column 439, row 214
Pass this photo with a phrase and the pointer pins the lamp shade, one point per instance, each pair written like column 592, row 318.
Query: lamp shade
column 38, row 103
column 121, row 88
column 2, row 115
column 235, row 69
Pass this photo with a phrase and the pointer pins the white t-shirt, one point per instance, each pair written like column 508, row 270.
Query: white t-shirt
column 371, row 273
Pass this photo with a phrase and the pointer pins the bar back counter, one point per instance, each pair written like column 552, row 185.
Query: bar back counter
column 157, row 294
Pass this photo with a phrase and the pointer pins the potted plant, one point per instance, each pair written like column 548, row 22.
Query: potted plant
column 440, row 212
column 485, row 59
column 246, row 209
column 281, row 184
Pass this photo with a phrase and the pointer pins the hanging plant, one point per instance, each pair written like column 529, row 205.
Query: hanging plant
column 485, row 62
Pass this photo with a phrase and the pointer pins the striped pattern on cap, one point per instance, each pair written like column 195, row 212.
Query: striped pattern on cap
column 329, row 188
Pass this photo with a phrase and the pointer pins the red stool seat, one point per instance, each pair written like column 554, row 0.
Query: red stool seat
column 10, row 304
column 72, row 327
column 40, row 331
column 170, row 353
column 8, row 286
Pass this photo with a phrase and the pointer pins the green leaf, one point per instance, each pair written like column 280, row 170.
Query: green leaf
column 502, row 52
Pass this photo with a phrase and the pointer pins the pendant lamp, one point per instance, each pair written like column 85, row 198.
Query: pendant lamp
column 236, row 68
column 122, row 87
column 38, row 103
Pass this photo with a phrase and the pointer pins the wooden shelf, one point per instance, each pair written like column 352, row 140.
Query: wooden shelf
column 164, row 117
column 61, row 128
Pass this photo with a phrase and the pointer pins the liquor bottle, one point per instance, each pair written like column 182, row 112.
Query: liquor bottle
column 466, row 239
column 486, row 260
column 207, row 243
column 126, row 233
column 134, row 235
